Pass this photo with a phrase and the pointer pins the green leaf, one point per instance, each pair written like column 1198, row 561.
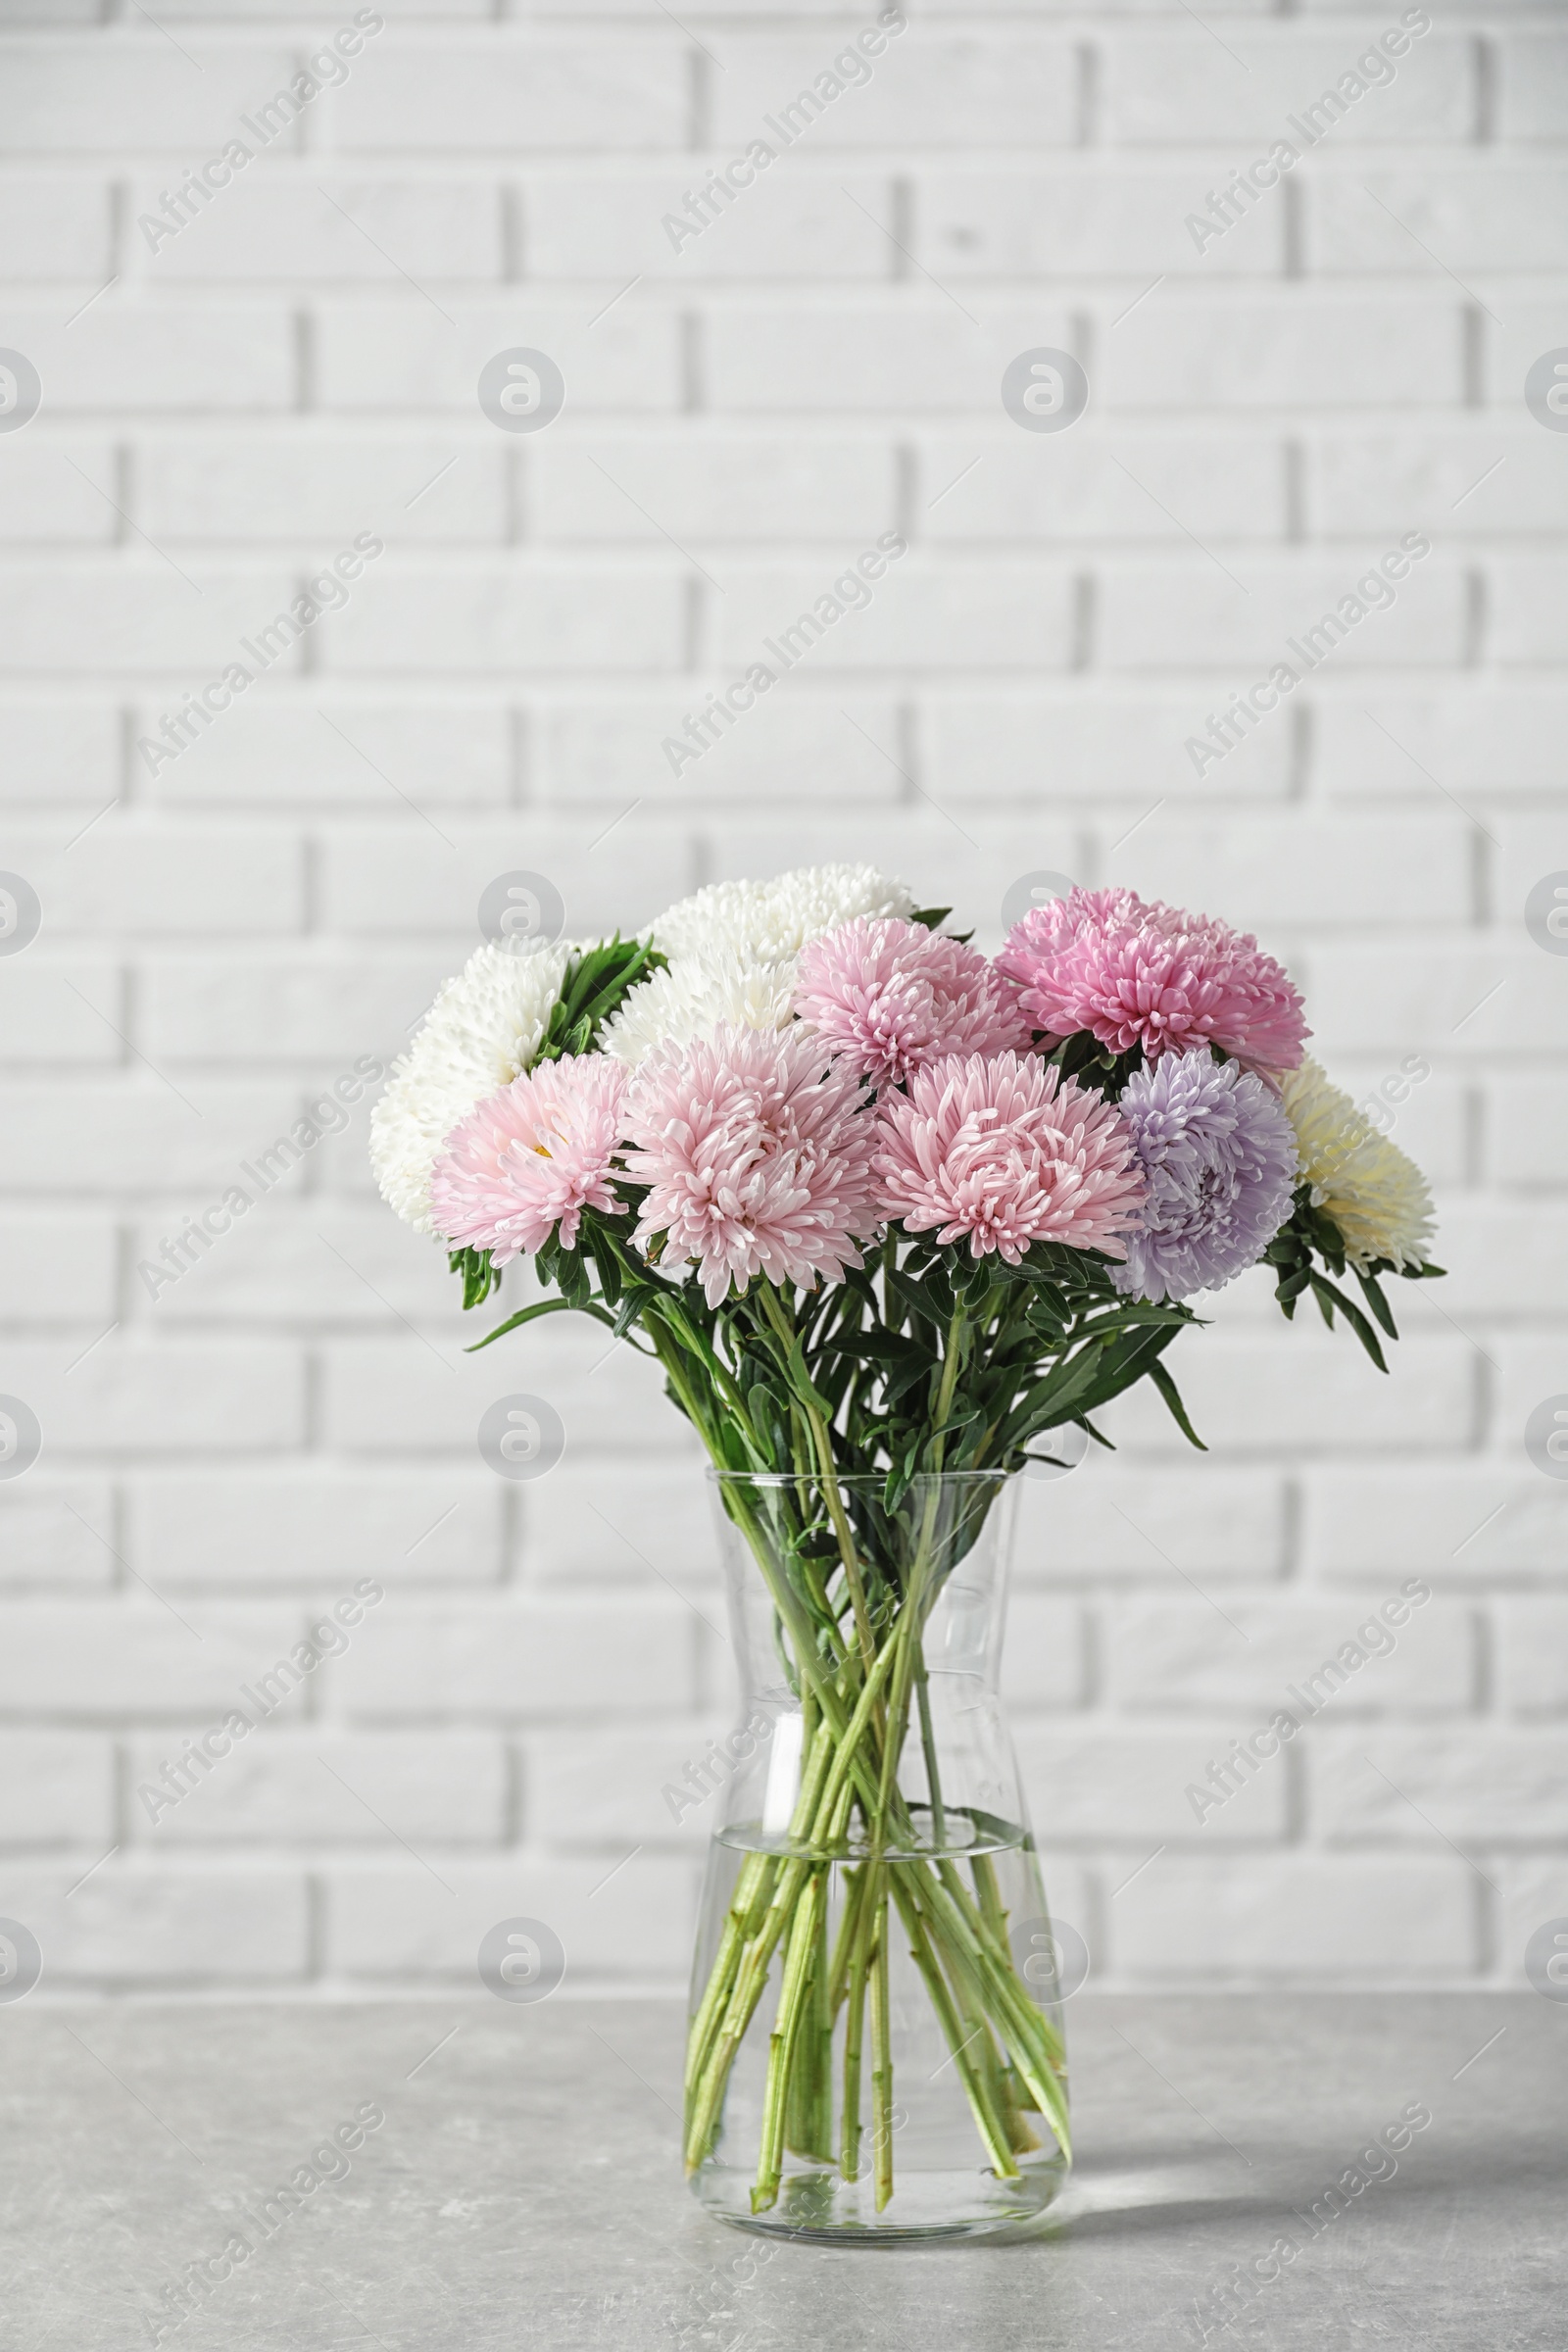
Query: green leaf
column 927, row 1296
column 1047, row 1401
column 631, row 1306
column 572, row 1278
column 596, row 983
column 1372, row 1290
column 1328, row 1297
column 805, row 1386
column 1122, row 1363
column 1178, row 1411
column 525, row 1314
column 479, row 1276
column 606, row 1257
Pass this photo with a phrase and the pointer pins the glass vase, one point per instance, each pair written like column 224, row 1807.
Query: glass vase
column 875, row 2047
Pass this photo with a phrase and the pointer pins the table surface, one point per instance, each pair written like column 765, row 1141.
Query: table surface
column 523, row 2190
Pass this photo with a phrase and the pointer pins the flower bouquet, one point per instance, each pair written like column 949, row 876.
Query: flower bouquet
column 893, row 1218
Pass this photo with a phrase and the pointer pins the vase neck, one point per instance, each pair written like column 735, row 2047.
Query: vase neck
column 844, row 1610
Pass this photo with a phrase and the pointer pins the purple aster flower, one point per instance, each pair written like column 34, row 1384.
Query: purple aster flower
column 1220, row 1155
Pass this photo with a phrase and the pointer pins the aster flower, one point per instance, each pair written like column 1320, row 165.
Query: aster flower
column 1007, row 1151
column 693, row 995
column 732, row 949
column 1220, row 1153
column 891, row 996
column 1138, row 972
column 531, row 1158
column 484, row 1028
column 757, row 1153
column 1374, row 1192
column 767, row 921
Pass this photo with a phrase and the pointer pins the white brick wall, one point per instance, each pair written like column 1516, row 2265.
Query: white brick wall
column 745, row 410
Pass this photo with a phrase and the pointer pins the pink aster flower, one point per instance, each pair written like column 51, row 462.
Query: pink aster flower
column 891, row 995
column 1008, row 1151
column 1140, row 973
column 757, row 1147
column 532, row 1158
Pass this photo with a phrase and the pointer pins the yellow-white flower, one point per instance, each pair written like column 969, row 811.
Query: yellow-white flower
column 1374, row 1192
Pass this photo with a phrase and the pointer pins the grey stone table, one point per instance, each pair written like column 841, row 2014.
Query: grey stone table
column 522, row 2189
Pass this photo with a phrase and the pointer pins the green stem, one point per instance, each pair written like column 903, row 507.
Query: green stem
column 863, row 1910
column 807, row 2128
column 725, row 2017
column 881, row 2050
column 1026, row 2032
column 928, row 1744
column 822, row 1445
column 747, row 1905
column 960, row 2035
column 984, row 1873
column 781, row 2046
column 854, row 1884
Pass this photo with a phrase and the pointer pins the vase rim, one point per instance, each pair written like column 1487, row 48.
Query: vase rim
column 868, row 1480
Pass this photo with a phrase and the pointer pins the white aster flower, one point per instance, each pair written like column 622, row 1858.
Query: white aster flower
column 767, row 921
column 1374, row 1192
column 732, row 951
column 484, row 1028
column 693, row 995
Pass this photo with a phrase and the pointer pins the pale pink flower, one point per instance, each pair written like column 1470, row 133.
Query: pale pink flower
column 891, row 995
column 1008, row 1151
column 1140, row 973
column 532, row 1158
column 758, row 1149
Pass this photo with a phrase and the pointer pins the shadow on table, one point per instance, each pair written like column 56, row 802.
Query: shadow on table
column 1175, row 2189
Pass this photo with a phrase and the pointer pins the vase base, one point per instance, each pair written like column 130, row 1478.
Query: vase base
column 819, row 2208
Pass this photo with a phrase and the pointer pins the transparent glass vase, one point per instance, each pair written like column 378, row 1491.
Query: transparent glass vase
column 875, row 2047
